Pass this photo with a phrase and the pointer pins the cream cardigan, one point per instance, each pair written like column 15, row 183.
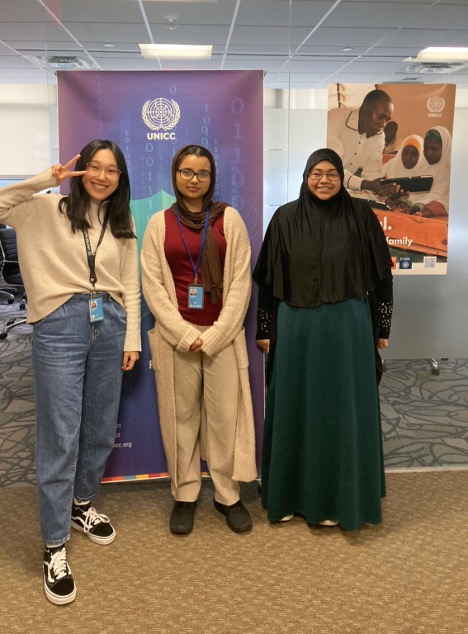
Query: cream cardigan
column 53, row 259
column 172, row 331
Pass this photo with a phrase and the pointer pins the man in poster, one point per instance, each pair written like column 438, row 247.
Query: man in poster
column 357, row 135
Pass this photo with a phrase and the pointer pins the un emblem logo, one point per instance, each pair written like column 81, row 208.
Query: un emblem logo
column 160, row 114
column 435, row 104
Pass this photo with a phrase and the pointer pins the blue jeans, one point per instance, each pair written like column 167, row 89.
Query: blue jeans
column 78, row 379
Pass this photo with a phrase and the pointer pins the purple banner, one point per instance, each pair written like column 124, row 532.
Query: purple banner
column 150, row 115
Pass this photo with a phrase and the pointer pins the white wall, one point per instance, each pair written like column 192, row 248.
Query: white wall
column 28, row 129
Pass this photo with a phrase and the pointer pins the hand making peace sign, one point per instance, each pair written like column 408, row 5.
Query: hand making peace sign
column 61, row 172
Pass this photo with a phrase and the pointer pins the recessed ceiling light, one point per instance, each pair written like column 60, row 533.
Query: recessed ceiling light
column 443, row 54
column 347, row 49
column 176, row 51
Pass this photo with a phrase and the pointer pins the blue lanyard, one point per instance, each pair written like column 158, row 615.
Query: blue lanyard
column 195, row 268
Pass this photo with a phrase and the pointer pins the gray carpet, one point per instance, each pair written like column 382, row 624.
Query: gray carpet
column 425, row 416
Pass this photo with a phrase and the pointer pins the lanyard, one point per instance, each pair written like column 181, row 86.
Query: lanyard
column 92, row 256
column 195, row 268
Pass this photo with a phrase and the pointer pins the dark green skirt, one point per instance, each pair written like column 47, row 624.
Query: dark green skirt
column 322, row 446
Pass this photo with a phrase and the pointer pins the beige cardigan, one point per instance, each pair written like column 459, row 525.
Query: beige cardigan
column 172, row 331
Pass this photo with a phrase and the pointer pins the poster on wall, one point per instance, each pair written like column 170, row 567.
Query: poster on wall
column 396, row 144
column 150, row 115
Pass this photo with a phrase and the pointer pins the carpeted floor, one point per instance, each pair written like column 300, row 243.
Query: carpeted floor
column 425, row 416
column 407, row 576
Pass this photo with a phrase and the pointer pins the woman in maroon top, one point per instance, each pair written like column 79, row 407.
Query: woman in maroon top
column 196, row 281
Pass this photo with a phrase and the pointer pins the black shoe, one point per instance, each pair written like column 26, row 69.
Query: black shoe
column 181, row 521
column 97, row 527
column 59, row 586
column 237, row 516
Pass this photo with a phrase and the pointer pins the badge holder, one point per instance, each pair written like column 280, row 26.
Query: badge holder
column 96, row 311
column 196, row 296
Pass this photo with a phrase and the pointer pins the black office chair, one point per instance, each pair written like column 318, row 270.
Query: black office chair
column 5, row 290
column 11, row 274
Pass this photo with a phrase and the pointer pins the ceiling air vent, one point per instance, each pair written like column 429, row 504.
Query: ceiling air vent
column 60, row 62
column 440, row 68
column 67, row 62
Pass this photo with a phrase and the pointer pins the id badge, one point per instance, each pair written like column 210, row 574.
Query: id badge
column 195, row 296
column 96, row 312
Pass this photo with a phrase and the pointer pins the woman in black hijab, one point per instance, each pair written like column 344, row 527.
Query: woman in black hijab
column 323, row 254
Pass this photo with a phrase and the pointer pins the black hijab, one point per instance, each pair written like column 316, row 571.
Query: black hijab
column 317, row 252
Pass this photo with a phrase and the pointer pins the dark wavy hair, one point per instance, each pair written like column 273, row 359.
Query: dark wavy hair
column 78, row 202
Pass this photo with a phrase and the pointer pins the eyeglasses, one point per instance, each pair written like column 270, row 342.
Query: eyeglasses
column 317, row 175
column 112, row 173
column 202, row 175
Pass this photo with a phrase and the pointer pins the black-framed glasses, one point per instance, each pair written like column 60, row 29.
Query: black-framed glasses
column 202, row 175
column 112, row 173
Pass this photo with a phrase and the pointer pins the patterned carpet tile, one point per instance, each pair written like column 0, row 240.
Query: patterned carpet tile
column 424, row 416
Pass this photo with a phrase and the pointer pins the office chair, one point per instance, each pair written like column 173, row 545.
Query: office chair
column 5, row 291
column 11, row 273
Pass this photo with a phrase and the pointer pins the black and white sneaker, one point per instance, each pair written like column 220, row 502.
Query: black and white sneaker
column 97, row 527
column 59, row 586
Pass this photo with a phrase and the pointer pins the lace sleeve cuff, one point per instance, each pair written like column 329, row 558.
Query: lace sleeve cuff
column 384, row 318
column 263, row 323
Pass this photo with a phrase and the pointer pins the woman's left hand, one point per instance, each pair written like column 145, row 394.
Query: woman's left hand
column 264, row 344
column 382, row 343
column 129, row 360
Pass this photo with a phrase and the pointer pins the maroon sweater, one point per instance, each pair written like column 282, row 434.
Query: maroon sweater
column 182, row 270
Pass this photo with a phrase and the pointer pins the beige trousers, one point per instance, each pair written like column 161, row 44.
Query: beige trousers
column 215, row 381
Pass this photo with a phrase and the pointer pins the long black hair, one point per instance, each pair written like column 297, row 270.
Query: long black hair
column 78, row 202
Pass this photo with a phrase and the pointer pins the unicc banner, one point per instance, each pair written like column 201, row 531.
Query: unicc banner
column 150, row 115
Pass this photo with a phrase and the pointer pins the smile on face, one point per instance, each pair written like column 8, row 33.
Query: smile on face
column 193, row 191
column 377, row 118
column 409, row 156
column 432, row 150
column 102, row 180
column 324, row 180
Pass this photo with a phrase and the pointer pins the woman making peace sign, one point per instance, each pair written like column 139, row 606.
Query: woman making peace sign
column 78, row 259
